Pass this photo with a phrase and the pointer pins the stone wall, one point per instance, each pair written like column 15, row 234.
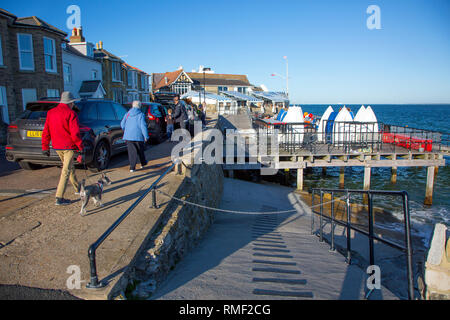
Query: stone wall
column 183, row 226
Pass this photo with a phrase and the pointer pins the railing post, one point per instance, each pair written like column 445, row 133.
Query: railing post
column 349, row 248
column 94, row 283
column 312, row 212
column 321, row 216
column 371, row 242
column 332, row 249
column 409, row 263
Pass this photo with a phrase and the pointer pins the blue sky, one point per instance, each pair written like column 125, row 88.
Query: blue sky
column 333, row 56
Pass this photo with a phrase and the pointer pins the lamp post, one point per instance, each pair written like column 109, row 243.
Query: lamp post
column 287, row 76
column 204, row 84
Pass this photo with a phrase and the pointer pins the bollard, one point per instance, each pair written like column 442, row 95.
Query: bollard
column 154, row 205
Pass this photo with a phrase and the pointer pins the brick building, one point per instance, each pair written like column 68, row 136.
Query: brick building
column 30, row 63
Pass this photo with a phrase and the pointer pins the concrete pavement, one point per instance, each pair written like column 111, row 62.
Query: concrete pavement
column 40, row 241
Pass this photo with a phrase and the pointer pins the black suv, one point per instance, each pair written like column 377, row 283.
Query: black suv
column 99, row 125
column 155, row 116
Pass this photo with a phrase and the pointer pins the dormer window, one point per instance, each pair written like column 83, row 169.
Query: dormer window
column 90, row 50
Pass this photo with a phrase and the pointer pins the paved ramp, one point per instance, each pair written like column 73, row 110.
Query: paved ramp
column 263, row 256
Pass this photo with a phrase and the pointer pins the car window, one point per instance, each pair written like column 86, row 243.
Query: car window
column 155, row 111
column 88, row 111
column 120, row 110
column 105, row 111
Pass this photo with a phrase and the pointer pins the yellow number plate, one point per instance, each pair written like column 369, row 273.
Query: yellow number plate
column 34, row 134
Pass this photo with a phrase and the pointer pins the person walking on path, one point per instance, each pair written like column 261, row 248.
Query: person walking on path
column 202, row 113
column 180, row 115
column 169, row 120
column 135, row 134
column 63, row 130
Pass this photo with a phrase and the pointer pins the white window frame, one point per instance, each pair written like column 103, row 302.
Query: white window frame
column 94, row 72
column 4, row 105
column 23, row 100
column 67, row 74
column 53, row 55
column 21, row 67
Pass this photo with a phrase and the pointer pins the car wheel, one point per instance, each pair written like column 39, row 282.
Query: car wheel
column 102, row 156
column 29, row 166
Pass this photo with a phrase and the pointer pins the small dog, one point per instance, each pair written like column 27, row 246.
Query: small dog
column 94, row 191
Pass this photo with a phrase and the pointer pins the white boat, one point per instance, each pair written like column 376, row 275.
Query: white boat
column 357, row 129
column 342, row 127
column 294, row 115
column 360, row 115
column 322, row 124
column 372, row 129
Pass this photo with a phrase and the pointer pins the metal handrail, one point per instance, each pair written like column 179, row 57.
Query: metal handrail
column 94, row 283
column 370, row 234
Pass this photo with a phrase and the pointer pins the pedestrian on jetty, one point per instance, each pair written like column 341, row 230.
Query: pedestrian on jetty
column 135, row 134
column 63, row 130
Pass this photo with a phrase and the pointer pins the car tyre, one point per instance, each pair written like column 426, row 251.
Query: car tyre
column 28, row 165
column 102, row 156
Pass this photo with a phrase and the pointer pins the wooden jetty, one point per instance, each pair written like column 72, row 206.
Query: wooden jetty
column 321, row 155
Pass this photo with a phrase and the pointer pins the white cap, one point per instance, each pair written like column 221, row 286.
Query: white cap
column 136, row 104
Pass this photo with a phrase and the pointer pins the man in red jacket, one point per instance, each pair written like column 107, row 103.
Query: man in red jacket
column 62, row 128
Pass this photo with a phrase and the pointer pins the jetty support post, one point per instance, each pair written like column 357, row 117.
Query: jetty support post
column 367, row 172
column 394, row 175
column 300, row 179
column 300, row 175
column 429, row 187
column 341, row 177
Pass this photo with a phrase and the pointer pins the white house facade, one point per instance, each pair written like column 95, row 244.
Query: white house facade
column 79, row 66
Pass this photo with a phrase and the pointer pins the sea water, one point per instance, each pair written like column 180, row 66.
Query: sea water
column 410, row 179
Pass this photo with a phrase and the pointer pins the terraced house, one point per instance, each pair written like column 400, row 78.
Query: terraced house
column 137, row 84
column 113, row 73
column 30, row 63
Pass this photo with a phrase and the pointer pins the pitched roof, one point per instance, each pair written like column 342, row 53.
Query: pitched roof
column 102, row 53
column 219, row 79
column 3, row 11
column 134, row 68
column 170, row 76
column 89, row 86
column 37, row 22
column 71, row 50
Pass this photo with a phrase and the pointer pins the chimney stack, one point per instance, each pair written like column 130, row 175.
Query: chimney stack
column 77, row 35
